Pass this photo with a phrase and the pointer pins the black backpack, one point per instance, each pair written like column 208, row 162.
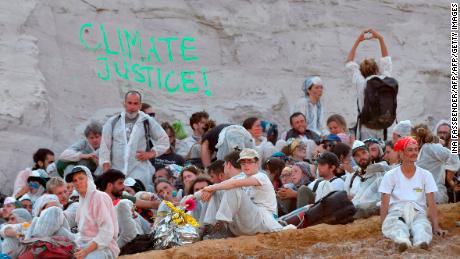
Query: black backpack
column 380, row 103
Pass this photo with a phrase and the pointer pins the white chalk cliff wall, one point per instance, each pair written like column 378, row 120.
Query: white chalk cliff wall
column 254, row 53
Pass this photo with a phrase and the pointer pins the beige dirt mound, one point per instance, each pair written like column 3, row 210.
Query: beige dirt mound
column 361, row 238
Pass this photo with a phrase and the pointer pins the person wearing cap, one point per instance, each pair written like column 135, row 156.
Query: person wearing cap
column 96, row 217
column 438, row 160
column 310, row 104
column 328, row 163
column 124, row 141
column 362, row 185
column 408, row 199
column 133, row 186
column 26, row 202
column 244, row 212
column 327, row 144
column 402, row 129
column 43, row 157
column 296, row 150
column 374, row 146
column 37, row 184
column 366, row 70
column 9, row 205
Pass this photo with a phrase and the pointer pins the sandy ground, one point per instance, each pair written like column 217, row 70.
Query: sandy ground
column 361, row 239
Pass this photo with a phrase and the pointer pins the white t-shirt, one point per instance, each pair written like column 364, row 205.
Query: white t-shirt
column 263, row 195
column 403, row 189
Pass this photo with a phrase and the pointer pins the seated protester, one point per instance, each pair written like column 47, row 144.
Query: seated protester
column 209, row 142
column 216, row 171
column 189, row 173
column 254, row 127
column 170, row 156
column 273, row 167
column 83, row 152
column 362, row 185
column 391, row 156
column 37, row 184
column 13, row 230
column 338, row 126
column 167, row 192
column 271, row 131
column 442, row 130
column 343, row 152
column 197, row 185
column 231, row 138
column 296, row 195
column 58, row 187
column 310, row 104
column 296, row 150
column 42, row 158
column 437, row 159
column 26, row 202
column 49, row 219
column 375, row 149
column 96, row 217
column 167, row 174
column 299, row 129
column 402, row 129
column 133, row 186
column 9, row 204
column 327, row 144
column 406, row 192
column 198, row 122
column 328, row 163
column 244, row 212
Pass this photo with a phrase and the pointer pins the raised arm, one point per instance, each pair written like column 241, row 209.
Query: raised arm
column 352, row 54
column 383, row 47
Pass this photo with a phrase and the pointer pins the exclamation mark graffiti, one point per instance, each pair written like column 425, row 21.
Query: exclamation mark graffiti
column 205, row 82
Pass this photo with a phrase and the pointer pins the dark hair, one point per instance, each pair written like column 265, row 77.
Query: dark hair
column 41, row 154
column 341, row 149
column 94, row 128
column 191, row 168
column 145, row 106
column 166, row 126
column 168, row 172
column 133, row 92
column 296, row 114
column 339, row 119
column 216, row 167
column 423, row 134
column 233, row 158
column 249, row 122
column 390, row 144
column 161, row 180
column 197, row 116
column 199, row 179
column 275, row 166
column 111, row 176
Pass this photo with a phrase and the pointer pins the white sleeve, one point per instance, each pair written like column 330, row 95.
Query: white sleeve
column 106, row 143
column 262, row 178
column 338, row 185
column 430, row 184
column 357, row 79
column 161, row 139
column 444, row 156
column 103, row 219
column 386, row 66
column 387, row 184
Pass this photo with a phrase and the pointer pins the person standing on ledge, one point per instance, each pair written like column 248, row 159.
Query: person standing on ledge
column 126, row 139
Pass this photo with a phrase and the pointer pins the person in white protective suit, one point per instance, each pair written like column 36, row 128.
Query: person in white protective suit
column 436, row 159
column 407, row 198
column 96, row 217
column 15, row 228
column 244, row 212
column 126, row 141
column 362, row 185
column 262, row 146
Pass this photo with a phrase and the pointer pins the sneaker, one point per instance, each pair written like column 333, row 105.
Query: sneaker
column 218, row 231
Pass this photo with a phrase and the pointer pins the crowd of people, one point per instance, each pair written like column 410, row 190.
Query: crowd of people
column 110, row 187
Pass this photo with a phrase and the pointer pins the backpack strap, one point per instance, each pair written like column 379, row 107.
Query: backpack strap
column 353, row 179
column 334, row 178
column 385, row 133
column 148, row 145
column 114, row 121
column 315, row 187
